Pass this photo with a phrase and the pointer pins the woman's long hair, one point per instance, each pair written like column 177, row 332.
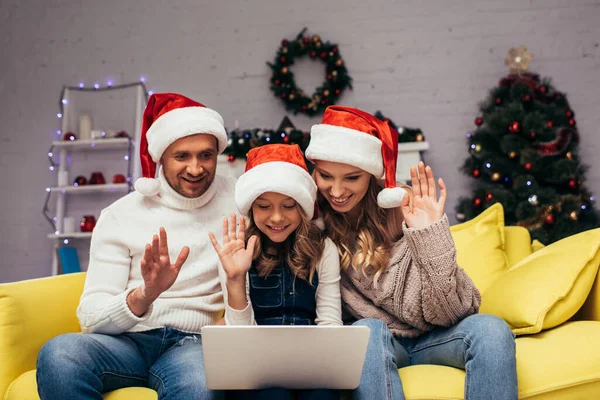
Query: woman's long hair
column 302, row 250
column 363, row 242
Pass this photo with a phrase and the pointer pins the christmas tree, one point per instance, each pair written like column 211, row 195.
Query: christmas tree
column 523, row 154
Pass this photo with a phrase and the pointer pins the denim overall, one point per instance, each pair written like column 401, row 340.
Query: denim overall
column 282, row 299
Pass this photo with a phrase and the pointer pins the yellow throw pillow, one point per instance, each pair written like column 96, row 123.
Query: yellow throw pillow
column 480, row 246
column 548, row 287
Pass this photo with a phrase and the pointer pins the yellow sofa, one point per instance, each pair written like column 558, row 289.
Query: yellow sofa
column 560, row 363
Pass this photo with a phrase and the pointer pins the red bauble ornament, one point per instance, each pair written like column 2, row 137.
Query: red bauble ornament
column 573, row 184
column 476, row 173
column 306, row 40
column 532, row 135
column 284, row 42
column 69, row 136
column 323, row 55
column 527, row 98
column 231, row 158
column 549, row 219
column 528, row 166
column 549, row 124
column 489, row 196
column 87, row 224
column 569, row 113
column 515, row 127
column 277, row 82
column 282, row 59
column 338, row 91
column 329, row 77
column 313, row 54
column 80, row 181
column 478, row 121
column 572, row 122
column 543, row 88
column 334, row 49
column 498, row 101
column 304, row 107
column 476, row 201
column 286, row 139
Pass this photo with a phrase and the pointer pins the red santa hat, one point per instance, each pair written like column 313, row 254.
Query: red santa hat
column 168, row 117
column 278, row 168
column 351, row 136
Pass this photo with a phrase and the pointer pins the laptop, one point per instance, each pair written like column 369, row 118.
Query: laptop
column 292, row 357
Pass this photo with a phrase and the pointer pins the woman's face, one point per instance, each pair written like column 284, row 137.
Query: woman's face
column 343, row 185
column 276, row 215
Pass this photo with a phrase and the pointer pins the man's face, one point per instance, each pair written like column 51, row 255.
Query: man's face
column 190, row 163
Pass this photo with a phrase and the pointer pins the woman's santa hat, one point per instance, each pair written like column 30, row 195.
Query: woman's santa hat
column 278, row 168
column 168, row 117
column 350, row 136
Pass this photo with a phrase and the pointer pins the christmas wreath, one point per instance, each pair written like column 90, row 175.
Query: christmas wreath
column 283, row 84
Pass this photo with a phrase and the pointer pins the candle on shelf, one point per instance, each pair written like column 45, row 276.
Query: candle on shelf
column 85, row 127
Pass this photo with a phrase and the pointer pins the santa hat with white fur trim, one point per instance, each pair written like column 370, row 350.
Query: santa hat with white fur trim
column 168, row 117
column 351, row 136
column 278, row 168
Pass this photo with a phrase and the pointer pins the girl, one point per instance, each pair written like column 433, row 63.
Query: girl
column 399, row 273
column 287, row 272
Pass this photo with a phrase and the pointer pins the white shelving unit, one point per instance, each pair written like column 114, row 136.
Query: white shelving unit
column 94, row 147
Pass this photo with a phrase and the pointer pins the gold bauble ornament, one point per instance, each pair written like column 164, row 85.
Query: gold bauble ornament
column 569, row 155
column 325, row 92
column 334, row 73
column 419, row 137
column 512, row 154
column 495, row 176
column 316, row 38
column 291, row 97
column 573, row 216
column 284, row 50
column 284, row 70
column 478, row 147
column 339, row 62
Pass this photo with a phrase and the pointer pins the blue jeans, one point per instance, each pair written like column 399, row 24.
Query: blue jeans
column 481, row 344
column 83, row 366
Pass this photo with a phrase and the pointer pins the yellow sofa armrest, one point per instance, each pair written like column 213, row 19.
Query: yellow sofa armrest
column 517, row 244
column 31, row 313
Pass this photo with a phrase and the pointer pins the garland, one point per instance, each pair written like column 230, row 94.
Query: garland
column 283, row 84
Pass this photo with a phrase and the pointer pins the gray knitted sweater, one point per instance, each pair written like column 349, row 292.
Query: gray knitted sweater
column 421, row 288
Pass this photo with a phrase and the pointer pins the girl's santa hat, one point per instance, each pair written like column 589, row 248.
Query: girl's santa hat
column 351, row 136
column 168, row 117
column 278, row 168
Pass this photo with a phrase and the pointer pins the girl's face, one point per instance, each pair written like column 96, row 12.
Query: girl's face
column 343, row 185
column 276, row 215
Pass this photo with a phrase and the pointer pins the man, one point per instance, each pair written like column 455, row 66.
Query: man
column 143, row 304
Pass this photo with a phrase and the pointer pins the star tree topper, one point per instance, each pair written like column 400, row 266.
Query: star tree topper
column 518, row 59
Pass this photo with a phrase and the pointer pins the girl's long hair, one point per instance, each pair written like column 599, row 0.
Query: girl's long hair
column 363, row 242
column 302, row 250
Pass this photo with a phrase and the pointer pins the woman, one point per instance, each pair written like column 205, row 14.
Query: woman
column 399, row 273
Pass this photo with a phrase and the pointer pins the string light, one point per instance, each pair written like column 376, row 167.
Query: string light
column 62, row 103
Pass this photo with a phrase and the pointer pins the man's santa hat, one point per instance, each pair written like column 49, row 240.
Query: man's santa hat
column 351, row 136
column 278, row 168
column 168, row 117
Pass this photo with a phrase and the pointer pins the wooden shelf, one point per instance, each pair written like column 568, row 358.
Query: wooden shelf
column 89, row 144
column 72, row 235
column 120, row 187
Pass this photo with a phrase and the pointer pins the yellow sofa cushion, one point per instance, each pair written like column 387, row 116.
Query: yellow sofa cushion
column 25, row 388
column 561, row 363
column 548, row 287
column 432, row 382
column 480, row 246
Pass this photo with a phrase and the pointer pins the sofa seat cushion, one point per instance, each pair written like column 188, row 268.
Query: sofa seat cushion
column 25, row 388
column 561, row 363
column 432, row 382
